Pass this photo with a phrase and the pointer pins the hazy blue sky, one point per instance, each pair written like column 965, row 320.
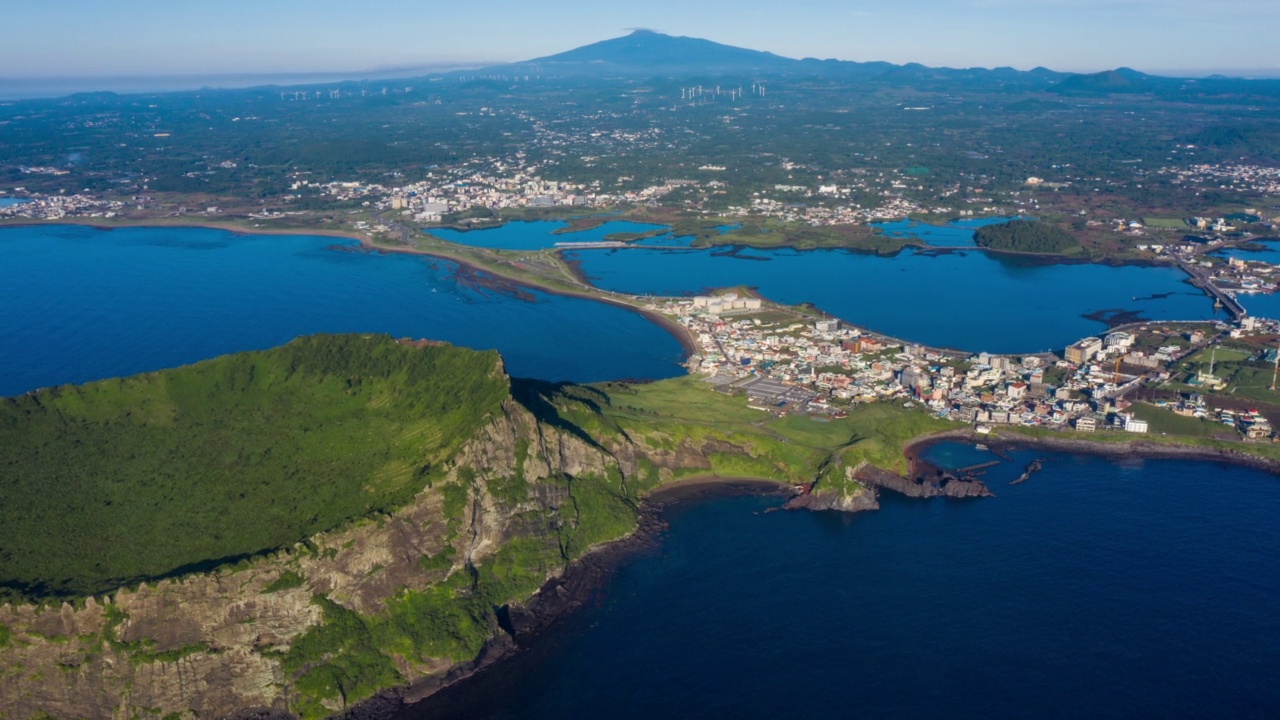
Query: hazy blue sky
column 152, row 37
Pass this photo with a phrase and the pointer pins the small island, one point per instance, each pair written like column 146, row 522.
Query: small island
column 1025, row 236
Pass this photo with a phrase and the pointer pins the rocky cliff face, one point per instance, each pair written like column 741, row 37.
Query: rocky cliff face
column 211, row 645
column 923, row 486
column 847, row 496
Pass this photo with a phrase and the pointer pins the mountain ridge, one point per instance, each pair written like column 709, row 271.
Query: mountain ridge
column 648, row 52
column 642, row 53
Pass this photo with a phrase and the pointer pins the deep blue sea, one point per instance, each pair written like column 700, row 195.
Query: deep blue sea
column 1097, row 589
column 80, row 304
column 1266, row 253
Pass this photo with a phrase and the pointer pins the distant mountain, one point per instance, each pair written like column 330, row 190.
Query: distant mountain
column 646, row 53
column 1121, row 80
column 653, row 51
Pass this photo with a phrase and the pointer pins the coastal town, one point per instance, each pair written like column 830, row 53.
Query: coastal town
column 785, row 362
column 790, row 362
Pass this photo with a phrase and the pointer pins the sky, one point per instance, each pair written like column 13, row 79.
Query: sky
column 92, row 38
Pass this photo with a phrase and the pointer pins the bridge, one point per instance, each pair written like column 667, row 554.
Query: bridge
column 1201, row 278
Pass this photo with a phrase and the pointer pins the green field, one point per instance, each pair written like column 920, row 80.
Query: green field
column 1164, row 223
column 792, row 448
column 1244, row 377
column 1166, row 422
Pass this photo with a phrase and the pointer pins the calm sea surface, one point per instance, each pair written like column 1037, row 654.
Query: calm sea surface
column 79, row 304
column 543, row 234
column 961, row 299
column 1137, row 589
column 957, row 233
column 537, row 235
column 964, row 299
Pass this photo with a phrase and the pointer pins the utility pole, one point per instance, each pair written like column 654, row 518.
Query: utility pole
column 1276, row 369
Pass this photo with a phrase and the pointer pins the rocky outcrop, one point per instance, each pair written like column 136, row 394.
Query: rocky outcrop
column 941, row 484
column 849, row 496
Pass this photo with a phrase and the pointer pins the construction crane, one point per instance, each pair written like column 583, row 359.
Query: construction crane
column 1115, row 379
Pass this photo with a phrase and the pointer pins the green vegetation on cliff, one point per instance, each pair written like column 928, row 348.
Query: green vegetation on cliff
column 112, row 482
column 498, row 486
column 1028, row 236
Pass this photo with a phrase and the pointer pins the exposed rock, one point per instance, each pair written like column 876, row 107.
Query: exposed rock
column 851, row 498
column 934, row 485
column 1032, row 468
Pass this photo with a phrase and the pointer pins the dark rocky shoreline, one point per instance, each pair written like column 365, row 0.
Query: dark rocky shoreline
column 586, row 577
column 556, row 600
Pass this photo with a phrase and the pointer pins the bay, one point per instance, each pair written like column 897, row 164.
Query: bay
column 80, row 304
column 958, row 298
column 964, row 299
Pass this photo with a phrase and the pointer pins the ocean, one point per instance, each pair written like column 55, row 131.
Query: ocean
column 1140, row 588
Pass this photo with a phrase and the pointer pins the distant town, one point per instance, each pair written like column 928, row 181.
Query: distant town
column 478, row 189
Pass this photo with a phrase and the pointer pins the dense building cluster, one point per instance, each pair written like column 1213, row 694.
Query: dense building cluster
column 789, row 363
column 1245, row 178
column 56, row 207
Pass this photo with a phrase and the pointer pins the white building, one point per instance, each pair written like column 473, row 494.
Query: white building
column 1134, row 425
column 1119, row 339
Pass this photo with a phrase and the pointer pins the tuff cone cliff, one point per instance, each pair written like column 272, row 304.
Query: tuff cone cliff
column 300, row 528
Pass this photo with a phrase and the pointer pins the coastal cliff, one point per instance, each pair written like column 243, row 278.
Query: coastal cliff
column 410, row 596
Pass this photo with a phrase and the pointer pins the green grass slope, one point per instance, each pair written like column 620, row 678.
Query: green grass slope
column 663, row 415
column 112, row 482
